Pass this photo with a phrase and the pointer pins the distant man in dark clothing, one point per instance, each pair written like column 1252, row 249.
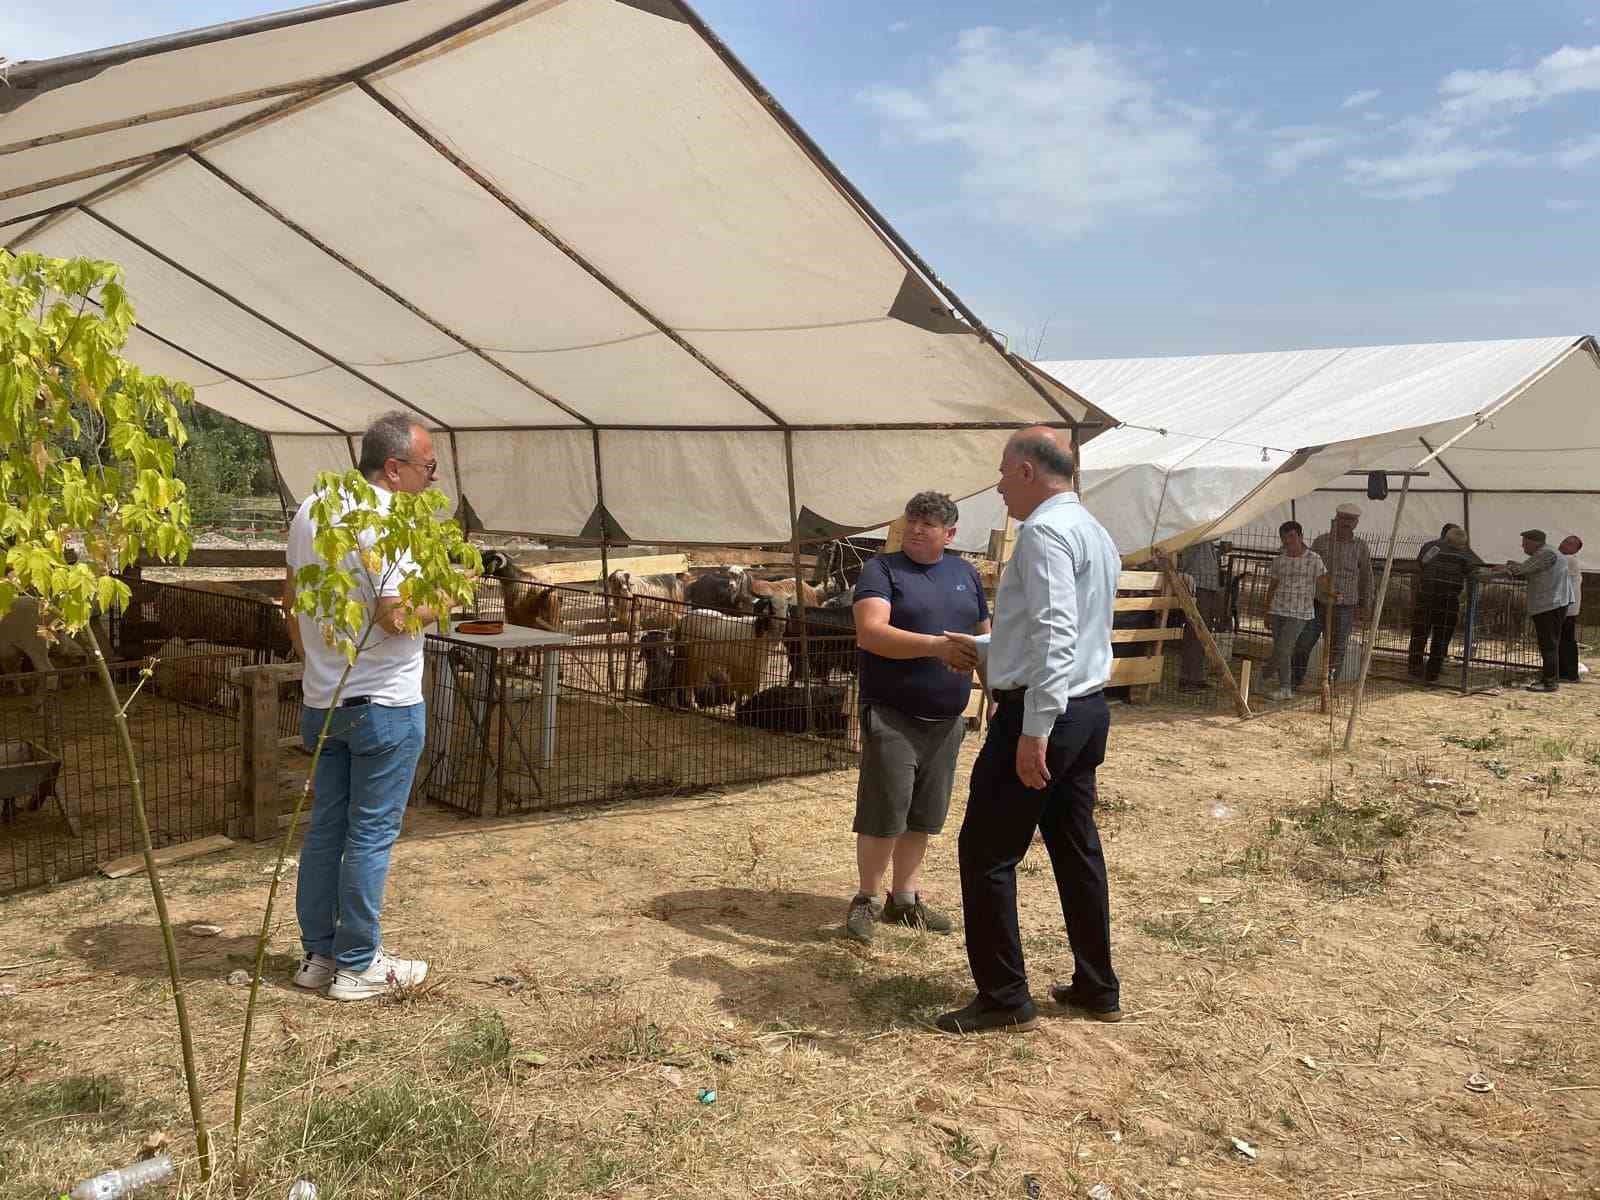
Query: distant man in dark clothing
column 1202, row 563
column 1446, row 563
column 1570, row 547
column 1549, row 593
column 912, row 706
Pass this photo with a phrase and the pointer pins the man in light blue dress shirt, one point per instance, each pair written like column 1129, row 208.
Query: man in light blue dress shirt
column 1046, row 664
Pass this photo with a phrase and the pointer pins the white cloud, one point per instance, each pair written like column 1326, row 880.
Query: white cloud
column 1058, row 135
column 1422, row 171
column 1358, row 99
column 1471, row 96
column 1578, row 153
column 1474, row 127
column 1297, row 145
column 1564, row 206
column 899, row 26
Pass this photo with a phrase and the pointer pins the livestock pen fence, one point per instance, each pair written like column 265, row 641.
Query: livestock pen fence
column 1492, row 645
column 63, row 782
column 654, row 699
column 64, row 785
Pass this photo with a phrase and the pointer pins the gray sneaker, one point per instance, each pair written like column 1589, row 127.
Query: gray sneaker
column 917, row 915
column 862, row 921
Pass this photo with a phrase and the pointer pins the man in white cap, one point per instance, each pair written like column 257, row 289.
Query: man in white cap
column 1349, row 566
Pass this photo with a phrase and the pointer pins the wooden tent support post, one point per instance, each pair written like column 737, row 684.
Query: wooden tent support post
column 1197, row 623
column 1377, row 615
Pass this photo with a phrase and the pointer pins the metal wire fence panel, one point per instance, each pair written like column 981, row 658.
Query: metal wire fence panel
column 648, row 699
column 74, row 810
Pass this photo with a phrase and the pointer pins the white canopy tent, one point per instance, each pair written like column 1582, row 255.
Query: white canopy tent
column 575, row 237
column 1218, row 442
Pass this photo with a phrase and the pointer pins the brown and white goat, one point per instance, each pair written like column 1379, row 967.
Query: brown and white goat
column 528, row 602
column 738, row 648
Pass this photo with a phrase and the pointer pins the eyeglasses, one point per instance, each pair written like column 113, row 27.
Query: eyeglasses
column 431, row 467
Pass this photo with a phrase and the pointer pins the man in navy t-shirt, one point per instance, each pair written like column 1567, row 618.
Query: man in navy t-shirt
column 912, row 704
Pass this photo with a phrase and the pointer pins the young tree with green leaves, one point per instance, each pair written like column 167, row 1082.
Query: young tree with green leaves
column 63, row 381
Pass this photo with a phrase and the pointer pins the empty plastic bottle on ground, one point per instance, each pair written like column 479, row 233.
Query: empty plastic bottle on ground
column 111, row 1184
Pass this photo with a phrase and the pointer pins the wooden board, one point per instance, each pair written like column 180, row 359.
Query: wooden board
column 1145, row 603
column 1132, row 672
column 728, row 556
column 896, row 536
column 588, row 570
column 133, row 864
column 1147, row 635
column 1138, row 581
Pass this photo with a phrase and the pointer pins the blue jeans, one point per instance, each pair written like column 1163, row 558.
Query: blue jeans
column 1344, row 620
column 361, row 787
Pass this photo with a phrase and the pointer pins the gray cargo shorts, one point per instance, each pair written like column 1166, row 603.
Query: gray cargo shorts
column 908, row 767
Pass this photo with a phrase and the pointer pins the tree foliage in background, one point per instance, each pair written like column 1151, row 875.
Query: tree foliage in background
column 221, row 459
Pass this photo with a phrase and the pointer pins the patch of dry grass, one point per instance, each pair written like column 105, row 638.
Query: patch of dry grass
column 1316, row 977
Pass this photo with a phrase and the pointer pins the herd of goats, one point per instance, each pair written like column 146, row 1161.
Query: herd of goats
column 707, row 640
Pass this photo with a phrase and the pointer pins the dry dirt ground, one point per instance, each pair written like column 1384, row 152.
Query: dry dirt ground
column 1317, row 980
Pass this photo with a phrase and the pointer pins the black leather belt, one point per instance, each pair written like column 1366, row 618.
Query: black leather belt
column 1016, row 695
column 355, row 700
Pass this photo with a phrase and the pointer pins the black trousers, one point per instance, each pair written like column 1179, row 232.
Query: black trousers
column 1547, row 625
column 1568, row 656
column 1433, row 618
column 1002, row 815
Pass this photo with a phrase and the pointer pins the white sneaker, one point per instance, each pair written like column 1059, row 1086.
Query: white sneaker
column 385, row 973
column 1283, row 693
column 315, row 973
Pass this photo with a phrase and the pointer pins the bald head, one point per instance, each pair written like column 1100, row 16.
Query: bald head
column 1049, row 450
column 1037, row 464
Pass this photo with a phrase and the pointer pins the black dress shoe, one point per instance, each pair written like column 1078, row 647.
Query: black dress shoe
column 979, row 1018
column 1064, row 995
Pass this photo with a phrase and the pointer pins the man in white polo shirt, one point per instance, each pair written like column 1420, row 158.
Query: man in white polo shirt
column 363, row 778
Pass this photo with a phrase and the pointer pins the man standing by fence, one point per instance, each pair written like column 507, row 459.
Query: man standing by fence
column 912, row 710
column 1046, row 664
column 1349, row 566
column 1203, row 566
column 1549, row 593
column 1444, row 566
column 363, row 778
column 1571, row 546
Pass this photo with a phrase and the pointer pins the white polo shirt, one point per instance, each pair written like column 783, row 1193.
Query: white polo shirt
column 389, row 670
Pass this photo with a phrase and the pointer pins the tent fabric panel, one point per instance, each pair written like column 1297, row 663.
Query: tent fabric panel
column 56, row 159
column 300, row 459
column 843, row 373
column 830, row 467
column 445, row 244
column 697, row 487
column 510, row 474
column 1549, row 437
column 35, row 202
column 638, row 381
column 214, row 390
column 198, row 74
column 176, row 307
column 210, row 229
column 598, row 117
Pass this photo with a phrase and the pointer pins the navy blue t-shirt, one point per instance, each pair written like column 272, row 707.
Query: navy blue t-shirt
column 946, row 595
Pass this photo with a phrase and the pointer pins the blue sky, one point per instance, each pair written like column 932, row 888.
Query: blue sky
column 1165, row 176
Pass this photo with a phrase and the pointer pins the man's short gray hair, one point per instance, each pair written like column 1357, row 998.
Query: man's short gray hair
column 1043, row 452
column 388, row 436
column 933, row 506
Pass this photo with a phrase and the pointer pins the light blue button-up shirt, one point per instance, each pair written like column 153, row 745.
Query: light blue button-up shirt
column 1052, row 615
